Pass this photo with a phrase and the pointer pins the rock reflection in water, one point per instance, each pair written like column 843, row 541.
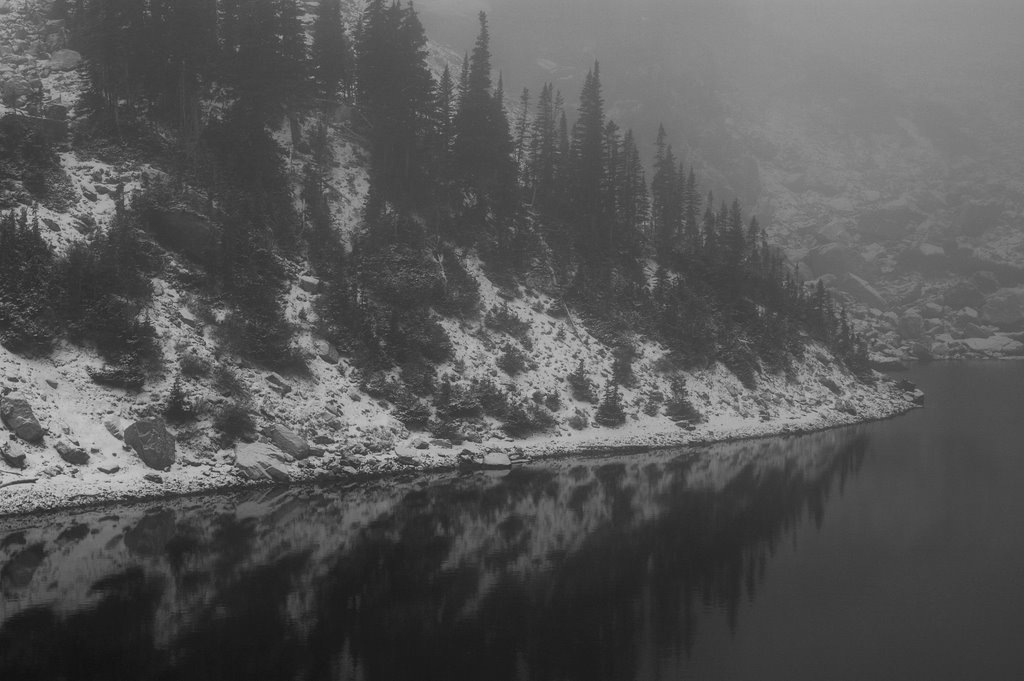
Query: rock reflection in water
column 566, row 570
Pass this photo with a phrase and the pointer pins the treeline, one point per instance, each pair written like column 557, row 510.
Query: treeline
column 544, row 195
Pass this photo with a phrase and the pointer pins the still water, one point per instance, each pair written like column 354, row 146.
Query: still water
column 892, row 550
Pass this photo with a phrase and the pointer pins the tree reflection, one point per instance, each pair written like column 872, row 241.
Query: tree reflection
column 567, row 571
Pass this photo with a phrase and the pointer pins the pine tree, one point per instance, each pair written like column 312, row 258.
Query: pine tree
column 589, row 200
column 331, row 53
column 293, row 54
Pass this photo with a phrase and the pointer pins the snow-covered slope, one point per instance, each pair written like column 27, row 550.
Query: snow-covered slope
column 337, row 429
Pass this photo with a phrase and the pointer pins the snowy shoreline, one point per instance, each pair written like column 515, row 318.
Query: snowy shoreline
column 64, row 494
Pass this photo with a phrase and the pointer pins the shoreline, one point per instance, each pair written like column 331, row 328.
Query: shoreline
column 30, row 500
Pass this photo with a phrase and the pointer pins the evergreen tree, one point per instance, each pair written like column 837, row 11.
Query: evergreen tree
column 331, row 53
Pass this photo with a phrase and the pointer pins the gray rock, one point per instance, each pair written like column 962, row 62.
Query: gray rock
column 65, row 60
column 419, row 443
column 113, row 429
column 964, row 294
column 327, row 352
column 309, row 284
column 278, row 384
column 17, row 415
column 109, row 470
column 911, row 326
column 188, row 319
column 12, row 455
column 154, row 478
column 288, row 441
column 997, row 345
column 1004, row 308
column 977, row 217
column 76, row 456
column 151, row 441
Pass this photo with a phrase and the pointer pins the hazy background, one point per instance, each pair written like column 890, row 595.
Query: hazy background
column 714, row 70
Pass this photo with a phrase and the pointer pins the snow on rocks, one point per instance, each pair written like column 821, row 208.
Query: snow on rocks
column 17, row 415
column 151, row 441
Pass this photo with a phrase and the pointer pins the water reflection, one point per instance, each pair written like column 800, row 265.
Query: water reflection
column 571, row 570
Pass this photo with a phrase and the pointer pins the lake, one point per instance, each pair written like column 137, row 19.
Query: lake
column 892, row 550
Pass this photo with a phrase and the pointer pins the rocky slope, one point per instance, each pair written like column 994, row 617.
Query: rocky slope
column 74, row 442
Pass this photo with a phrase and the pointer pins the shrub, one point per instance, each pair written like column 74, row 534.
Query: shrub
column 512, row 360
column 27, row 320
column 622, row 365
column 457, row 400
column 582, row 386
column 553, row 401
column 234, row 422
column 491, row 397
column 193, row 366
column 524, row 418
column 127, row 376
column 180, row 406
column 610, row 412
column 679, row 407
column 579, row 420
column 501, row 318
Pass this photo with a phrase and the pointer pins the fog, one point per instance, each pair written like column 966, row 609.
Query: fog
column 702, row 67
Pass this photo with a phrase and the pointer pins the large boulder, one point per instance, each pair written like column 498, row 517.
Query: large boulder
column 65, row 60
column 977, row 217
column 76, row 456
column 911, row 326
column 288, row 441
column 995, row 346
column 259, row 461
column 151, row 441
column 837, row 259
column 1004, row 308
column 17, row 415
column 964, row 294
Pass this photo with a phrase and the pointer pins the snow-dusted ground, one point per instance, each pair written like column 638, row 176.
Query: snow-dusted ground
column 355, row 435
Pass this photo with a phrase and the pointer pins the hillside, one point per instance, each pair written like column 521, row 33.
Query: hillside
column 524, row 371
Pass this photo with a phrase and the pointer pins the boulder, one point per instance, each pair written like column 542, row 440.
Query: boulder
column 278, row 385
column 327, row 352
column 963, row 294
column 12, row 455
column 258, row 461
column 1004, row 308
column 76, row 456
column 309, row 284
column 911, row 326
column 17, row 415
column 864, row 292
column 288, row 441
column 997, row 345
column 475, row 458
column 151, row 441
column 977, row 217
column 65, row 60
column 263, row 451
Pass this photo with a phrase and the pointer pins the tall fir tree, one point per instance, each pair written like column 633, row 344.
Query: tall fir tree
column 331, row 54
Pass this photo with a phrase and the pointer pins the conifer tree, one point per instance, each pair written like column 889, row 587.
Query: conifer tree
column 331, row 53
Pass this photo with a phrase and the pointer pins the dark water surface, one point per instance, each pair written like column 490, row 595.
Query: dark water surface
column 887, row 551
